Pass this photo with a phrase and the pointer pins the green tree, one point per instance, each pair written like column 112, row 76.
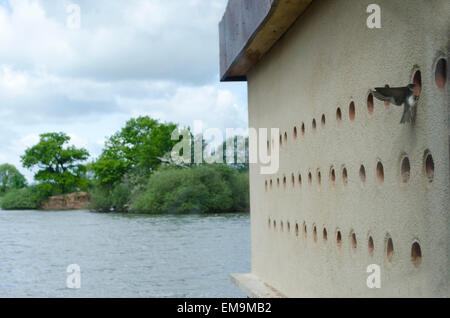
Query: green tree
column 200, row 189
column 60, row 166
column 139, row 147
column 11, row 178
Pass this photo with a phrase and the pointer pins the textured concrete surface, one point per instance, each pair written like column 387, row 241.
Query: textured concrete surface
column 326, row 60
column 254, row 287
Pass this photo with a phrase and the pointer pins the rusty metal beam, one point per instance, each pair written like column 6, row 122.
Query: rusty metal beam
column 249, row 28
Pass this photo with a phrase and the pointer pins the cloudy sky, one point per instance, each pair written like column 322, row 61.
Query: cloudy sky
column 127, row 58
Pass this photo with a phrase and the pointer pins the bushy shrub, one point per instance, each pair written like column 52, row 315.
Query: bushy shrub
column 29, row 198
column 206, row 188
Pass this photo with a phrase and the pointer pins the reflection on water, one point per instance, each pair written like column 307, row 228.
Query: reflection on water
column 122, row 255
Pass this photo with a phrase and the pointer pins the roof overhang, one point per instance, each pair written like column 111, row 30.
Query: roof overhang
column 249, row 29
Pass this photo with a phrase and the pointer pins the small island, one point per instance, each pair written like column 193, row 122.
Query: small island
column 133, row 174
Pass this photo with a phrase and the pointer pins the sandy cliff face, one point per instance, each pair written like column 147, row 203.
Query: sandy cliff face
column 72, row 201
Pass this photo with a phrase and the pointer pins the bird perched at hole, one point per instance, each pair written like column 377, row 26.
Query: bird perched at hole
column 399, row 96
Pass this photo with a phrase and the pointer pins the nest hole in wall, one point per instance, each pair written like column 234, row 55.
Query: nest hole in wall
column 325, row 234
column 440, row 74
column 339, row 115
column 345, row 176
column 362, row 174
column 354, row 242
column 429, row 166
column 371, row 246
column 380, row 172
column 417, row 80
column 416, row 254
column 352, row 111
column 332, row 175
column 390, row 249
column 370, row 104
column 339, row 239
column 405, row 170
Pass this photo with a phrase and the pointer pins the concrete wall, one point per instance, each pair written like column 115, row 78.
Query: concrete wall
column 327, row 60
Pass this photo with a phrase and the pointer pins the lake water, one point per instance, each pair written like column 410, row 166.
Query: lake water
column 122, row 255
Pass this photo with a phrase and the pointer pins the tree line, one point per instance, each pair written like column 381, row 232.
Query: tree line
column 132, row 174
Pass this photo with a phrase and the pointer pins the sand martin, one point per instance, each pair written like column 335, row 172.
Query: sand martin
column 399, row 96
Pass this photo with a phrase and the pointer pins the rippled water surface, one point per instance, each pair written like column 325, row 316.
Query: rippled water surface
column 122, row 255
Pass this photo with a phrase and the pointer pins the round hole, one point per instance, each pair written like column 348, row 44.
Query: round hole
column 362, row 174
column 417, row 80
column 325, row 235
column 314, row 125
column 295, row 133
column 406, row 170
column 339, row 239
column 332, row 175
column 315, row 234
column 370, row 104
column 310, row 178
column 429, row 166
column 296, row 229
column 338, row 114
column 303, row 129
column 354, row 242
column 390, row 249
column 371, row 246
column 416, row 254
column 440, row 74
column 352, row 111
column 345, row 176
column 380, row 172
column 323, row 120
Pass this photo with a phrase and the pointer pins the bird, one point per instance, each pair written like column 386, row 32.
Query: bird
column 399, row 96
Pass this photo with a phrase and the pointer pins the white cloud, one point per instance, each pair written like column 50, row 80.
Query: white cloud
column 130, row 58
